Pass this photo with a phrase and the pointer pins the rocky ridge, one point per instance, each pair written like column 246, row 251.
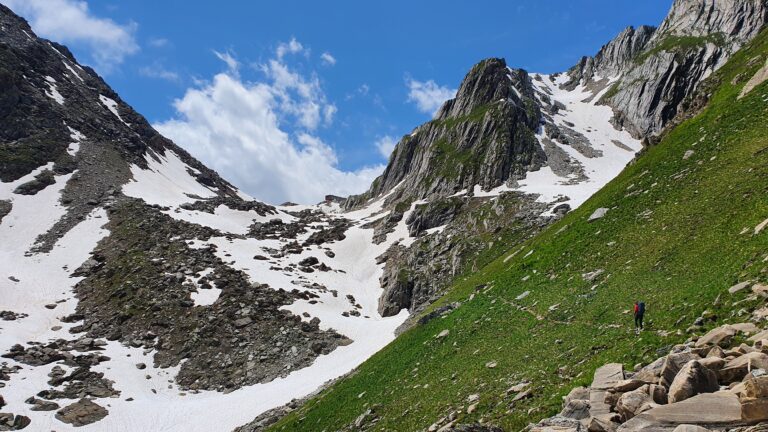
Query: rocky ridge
column 651, row 71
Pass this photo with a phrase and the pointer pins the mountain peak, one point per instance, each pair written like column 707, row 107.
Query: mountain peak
column 481, row 85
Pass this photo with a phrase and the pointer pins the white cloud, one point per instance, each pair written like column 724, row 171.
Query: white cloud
column 328, row 59
column 158, row 71
column 70, row 22
column 291, row 47
column 232, row 64
column 428, row 96
column 242, row 130
column 386, row 145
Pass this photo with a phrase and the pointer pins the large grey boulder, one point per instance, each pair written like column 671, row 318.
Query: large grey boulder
column 692, row 379
column 672, row 365
column 635, row 402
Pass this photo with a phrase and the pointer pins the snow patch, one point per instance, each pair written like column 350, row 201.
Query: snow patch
column 111, row 105
column 53, row 91
column 165, row 182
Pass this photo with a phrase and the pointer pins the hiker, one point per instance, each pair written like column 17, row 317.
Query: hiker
column 639, row 312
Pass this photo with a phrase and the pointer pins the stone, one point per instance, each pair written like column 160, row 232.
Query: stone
column 759, row 228
column 628, row 385
column 754, row 410
column 604, row 423
column 760, row 289
column 721, row 408
column 577, row 393
column 756, row 388
column 81, row 413
column 690, row 428
column 672, row 365
column 717, row 336
column 692, row 379
column 598, row 214
column 712, row 363
column 737, row 369
column 747, row 328
column 635, row 402
column 739, row 287
column 576, row 409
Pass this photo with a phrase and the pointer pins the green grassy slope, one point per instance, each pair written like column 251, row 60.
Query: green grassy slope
column 674, row 237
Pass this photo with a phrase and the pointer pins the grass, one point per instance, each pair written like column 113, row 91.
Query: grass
column 672, row 237
column 681, row 44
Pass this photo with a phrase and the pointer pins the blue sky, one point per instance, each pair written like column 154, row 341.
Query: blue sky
column 327, row 81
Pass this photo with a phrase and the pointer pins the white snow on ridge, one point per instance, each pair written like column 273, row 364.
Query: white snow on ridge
column 592, row 121
column 53, row 91
column 111, row 105
column 166, row 182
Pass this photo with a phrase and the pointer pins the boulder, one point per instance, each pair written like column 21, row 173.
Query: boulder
column 721, row 409
column 712, row 363
column 604, row 423
column 756, row 387
column 635, row 402
column 576, row 409
column 717, row 336
column 690, row 428
column 739, row 287
column 754, row 410
column 650, row 374
column 761, row 290
column 81, row 413
column 692, row 379
column 658, row 393
column 738, row 368
column 628, row 385
column 759, row 336
column 598, row 214
column 557, row 424
column 672, row 365
column 747, row 328
column 578, row 393
column 605, row 378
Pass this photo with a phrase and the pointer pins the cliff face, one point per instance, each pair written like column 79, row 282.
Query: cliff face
column 653, row 70
column 485, row 136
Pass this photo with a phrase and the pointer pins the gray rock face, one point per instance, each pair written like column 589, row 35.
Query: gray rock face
column 485, row 136
column 659, row 68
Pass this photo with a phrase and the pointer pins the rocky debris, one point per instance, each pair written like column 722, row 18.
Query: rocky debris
column 244, row 335
column 211, row 204
column 10, row 422
column 38, row 354
column 704, row 383
column 5, row 209
column 40, row 182
column 81, row 413
column 335, row 232
column 42, row 405
column 7, row 315
column 80, row 383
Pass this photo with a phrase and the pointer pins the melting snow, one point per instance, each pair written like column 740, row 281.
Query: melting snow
column 165, row 182
column 53, row 91
column 112, row 106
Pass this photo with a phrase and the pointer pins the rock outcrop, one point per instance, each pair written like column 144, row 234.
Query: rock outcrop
column 654, row 70
column 484, row 136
